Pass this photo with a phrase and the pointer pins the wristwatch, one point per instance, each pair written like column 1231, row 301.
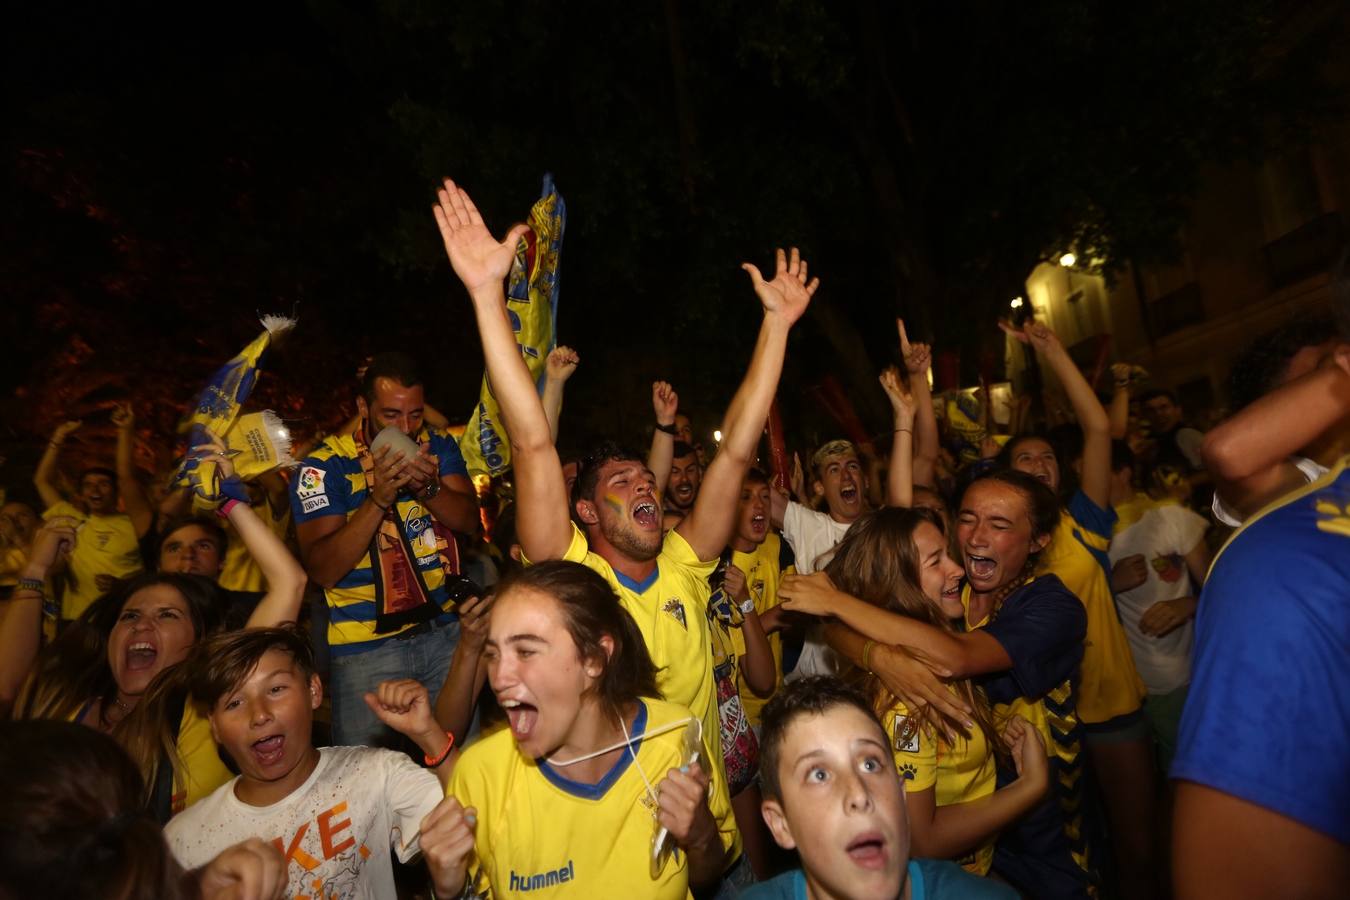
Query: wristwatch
column 747, row 606
column 431, row 490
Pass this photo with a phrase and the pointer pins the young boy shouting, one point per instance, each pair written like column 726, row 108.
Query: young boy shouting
column 831, row 791
column 334, row 813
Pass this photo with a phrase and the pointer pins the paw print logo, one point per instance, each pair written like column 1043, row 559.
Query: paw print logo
column 909, row 771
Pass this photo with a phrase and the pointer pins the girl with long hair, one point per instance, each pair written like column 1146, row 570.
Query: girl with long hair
column 894, row 563
column 111, row 669
column 1022, row 643
column 575, row 787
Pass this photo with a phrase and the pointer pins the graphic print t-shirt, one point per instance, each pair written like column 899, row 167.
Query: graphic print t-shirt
column 335, row 831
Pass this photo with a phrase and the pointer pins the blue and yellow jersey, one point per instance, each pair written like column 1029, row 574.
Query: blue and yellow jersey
column 1042, row 625
column 104, row 545
column 670, row 608
column 764, row 568
column 1271, row 642
column 540, row 832
column 330, row 482
column 1110, row 685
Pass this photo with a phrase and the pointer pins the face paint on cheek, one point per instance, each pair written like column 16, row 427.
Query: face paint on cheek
column 614, row 503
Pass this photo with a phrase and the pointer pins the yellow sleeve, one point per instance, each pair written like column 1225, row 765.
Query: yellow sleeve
column 577, row 550
column 63, row 508
column 677, row 550
column 202, row 771
column 913, row 748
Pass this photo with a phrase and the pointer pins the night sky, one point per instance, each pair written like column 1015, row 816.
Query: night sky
column 173, row 170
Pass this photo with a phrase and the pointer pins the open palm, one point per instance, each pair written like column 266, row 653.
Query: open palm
column 789, row 293
column 477, row 258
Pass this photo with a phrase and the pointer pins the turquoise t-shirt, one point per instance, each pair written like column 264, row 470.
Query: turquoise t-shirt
column 929, row 879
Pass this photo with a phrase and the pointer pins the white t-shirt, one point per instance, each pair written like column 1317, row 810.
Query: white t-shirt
column 335, row 830
column 1164, row 535
column 1311, row 469
column 813, row 537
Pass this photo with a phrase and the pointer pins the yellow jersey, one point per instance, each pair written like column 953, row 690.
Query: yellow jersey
column 203, row 770
column 957, row 773
column 104, row 545
column 764, row 568
column 538, row 831
column 1109, row 685
column 670, row 608
column 239, row 571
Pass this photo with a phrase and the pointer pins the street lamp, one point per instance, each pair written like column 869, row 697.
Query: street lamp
column 1067, row 260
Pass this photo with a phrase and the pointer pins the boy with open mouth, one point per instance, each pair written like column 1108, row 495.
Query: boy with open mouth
column 335, row 813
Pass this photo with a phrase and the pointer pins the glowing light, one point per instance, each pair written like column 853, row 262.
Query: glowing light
column 717, row 436
column 1016, row 303
column 1067, row 260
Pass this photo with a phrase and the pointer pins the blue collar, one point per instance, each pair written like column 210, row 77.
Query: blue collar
column 597, row 791
column 638, row 587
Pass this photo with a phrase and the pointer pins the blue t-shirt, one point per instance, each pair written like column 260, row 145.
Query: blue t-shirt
column 929, row 879
column 1267, row 719
column 1041, row 626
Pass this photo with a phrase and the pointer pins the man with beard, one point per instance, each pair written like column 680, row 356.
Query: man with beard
column 375, row 532
column 661, row 579
column 109, row 546
column 686, row 474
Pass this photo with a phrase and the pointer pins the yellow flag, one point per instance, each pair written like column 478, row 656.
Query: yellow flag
column 532, row 304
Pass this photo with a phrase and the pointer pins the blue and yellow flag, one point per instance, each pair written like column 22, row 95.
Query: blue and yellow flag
column 217, row 407
column 532, row 304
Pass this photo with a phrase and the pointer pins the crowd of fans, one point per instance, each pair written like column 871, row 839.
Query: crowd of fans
column 1103, row 659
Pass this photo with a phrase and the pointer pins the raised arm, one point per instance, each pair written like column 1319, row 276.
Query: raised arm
column 558, row 367
column 45, row 478
column 900, row 480
column 21, row 617
column 285, row 577
column 709, row 525
column 128, row 485
column 918, row 360
column 756, row 664
column 1119, row 411
column 661, row 456
column 468, row 671
column 1248, row 454
column 1095, row 480
column 544, row 524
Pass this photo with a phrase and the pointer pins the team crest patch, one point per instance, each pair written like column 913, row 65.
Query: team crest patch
column 309, row 483
column 675, row 608
column 906, row 735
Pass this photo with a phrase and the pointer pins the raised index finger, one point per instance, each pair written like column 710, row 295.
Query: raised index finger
column 904, row 338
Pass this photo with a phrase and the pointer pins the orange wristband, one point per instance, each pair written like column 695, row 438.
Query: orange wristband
column 433, row 763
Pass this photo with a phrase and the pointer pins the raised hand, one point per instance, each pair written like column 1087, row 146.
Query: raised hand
column 64, row 429
column 446, row 840
column 789, row 293
column 733, row 582
column 473, row 622
column 665, row 402
column 902, row 401
column 561, row 363
column 52, row 543
column 476, row 256
column 682, row 807
column 917, row 357
column 1034, row 333
column 798, row 479
column 405, row 706
column 123, row 417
